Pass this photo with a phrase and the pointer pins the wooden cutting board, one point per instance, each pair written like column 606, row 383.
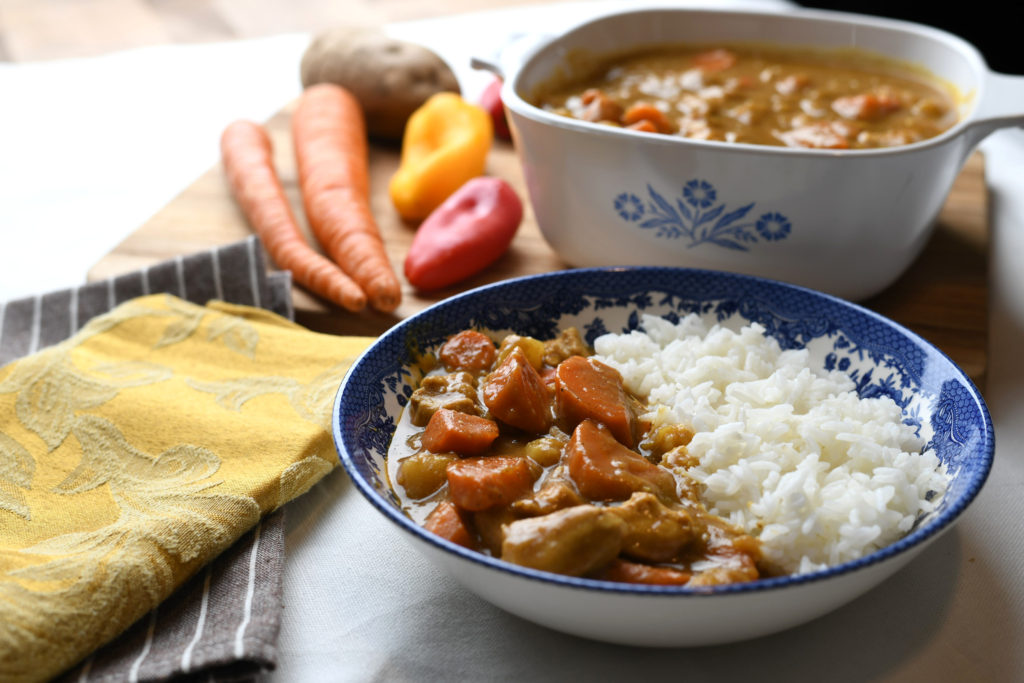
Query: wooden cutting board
column 943, row 297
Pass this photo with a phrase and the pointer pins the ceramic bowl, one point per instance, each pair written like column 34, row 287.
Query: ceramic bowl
column 883, row 356
column 847, row 222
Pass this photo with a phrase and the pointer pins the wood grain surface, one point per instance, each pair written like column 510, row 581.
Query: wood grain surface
column 943, row 296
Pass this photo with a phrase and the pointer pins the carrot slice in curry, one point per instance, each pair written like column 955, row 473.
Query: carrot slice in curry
column 590, row 389
column 642, row 111
column 468, row 350
column 644, row 126
column 625, row 571
column 446, row 521
column 549, row 377
column 450, row 431
column 476, row 484
column 600, row 107
column 604, row 469
column 714, row 60
column 866, row 106
column 516, row 395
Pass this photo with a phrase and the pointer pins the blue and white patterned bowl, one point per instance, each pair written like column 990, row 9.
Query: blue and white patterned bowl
column 880, row 356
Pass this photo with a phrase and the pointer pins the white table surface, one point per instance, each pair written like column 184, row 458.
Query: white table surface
column 90, row 148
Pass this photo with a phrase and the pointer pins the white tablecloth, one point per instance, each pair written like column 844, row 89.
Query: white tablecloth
column 90, row 148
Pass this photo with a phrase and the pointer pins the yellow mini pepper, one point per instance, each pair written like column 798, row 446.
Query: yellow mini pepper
column 445, row 144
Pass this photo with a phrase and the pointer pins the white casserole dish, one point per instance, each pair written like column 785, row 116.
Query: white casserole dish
column 845, row 222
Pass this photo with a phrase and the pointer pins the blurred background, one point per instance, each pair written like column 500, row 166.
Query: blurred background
column 993, row 27
column 32, row 30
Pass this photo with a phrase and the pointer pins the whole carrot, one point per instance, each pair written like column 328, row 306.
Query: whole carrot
column 249, row 167
column 329, row 133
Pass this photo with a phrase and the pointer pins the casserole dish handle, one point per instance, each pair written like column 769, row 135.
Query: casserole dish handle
column 1001, row 107
column 505, row 57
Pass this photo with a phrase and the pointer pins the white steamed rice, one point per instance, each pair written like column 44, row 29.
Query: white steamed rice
column 789, row 454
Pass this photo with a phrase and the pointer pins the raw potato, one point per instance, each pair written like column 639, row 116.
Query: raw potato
column 390, row 78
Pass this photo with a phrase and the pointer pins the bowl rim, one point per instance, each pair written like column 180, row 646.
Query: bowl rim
column 518, row 105
column 917, row 538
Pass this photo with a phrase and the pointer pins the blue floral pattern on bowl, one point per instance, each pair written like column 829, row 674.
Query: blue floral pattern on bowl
column 696, row 218
column 881, row 357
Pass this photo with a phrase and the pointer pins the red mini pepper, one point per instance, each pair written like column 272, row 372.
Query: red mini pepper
column 467, row 233
column 490, row 101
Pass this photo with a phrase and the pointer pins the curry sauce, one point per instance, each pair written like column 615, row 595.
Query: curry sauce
column 759, row 95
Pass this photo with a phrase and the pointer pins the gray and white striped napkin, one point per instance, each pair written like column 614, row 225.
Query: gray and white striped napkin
column 222, row 625
column 235, row 273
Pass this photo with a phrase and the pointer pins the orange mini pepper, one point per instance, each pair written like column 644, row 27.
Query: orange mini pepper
column 446, row 142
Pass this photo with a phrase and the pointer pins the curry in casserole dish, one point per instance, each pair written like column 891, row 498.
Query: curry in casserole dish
column 759, row 95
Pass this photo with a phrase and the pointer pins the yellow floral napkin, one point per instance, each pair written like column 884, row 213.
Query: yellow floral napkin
column 139, row 449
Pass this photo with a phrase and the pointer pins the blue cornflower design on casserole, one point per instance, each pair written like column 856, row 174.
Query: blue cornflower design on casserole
column 695, row 217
